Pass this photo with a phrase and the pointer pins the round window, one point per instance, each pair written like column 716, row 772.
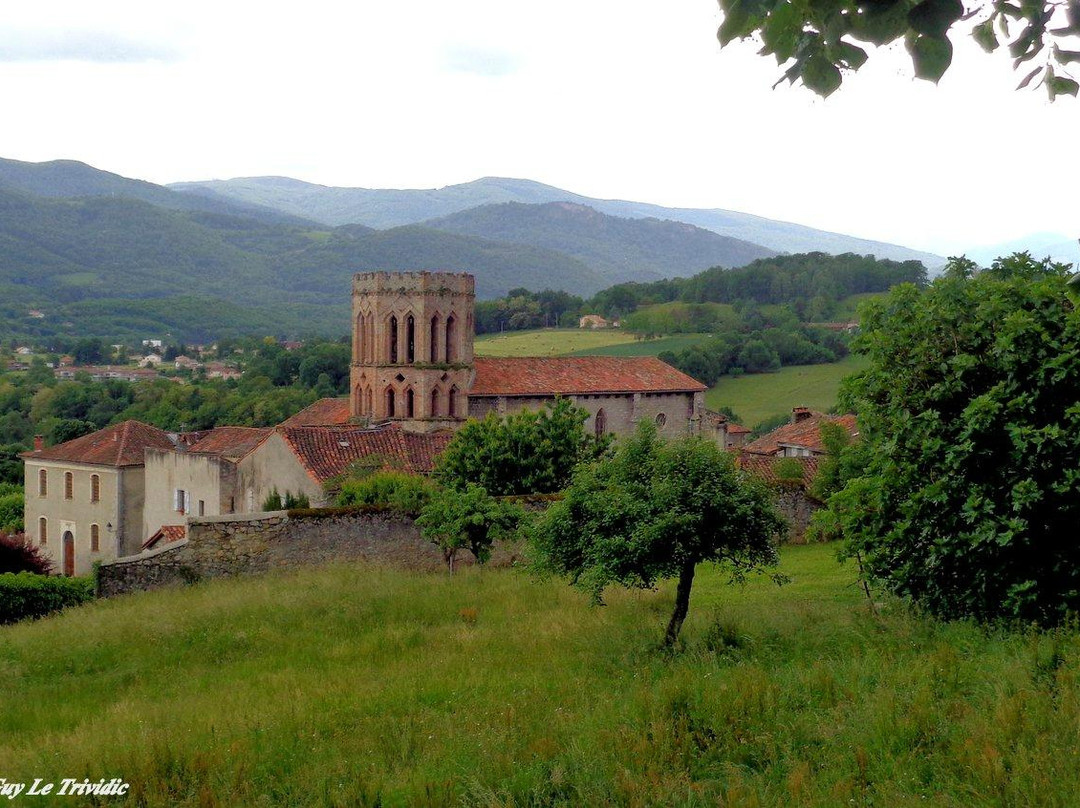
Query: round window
column 661, row 419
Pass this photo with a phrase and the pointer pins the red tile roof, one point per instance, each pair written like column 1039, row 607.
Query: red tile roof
column 118, row 445
column 324, row 412
column 764, row 468
column 547, row 376
column 805, row 434
column 327, row 452
column 164, row 535
column 232, row 442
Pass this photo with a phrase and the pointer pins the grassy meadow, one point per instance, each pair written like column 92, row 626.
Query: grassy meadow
column 357, row 685
column 757, row 396
column 549, row 341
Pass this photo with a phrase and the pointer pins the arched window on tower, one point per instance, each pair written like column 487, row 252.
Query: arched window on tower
column 359, row 339
column 358, row 398
column 600, row 423
column 434, row 411
column 451, row 346
column 369, row 402
column 391, row 336
column 410, row 339
column 451, row 401
column 390, row 413
column 433, row 342
column 370, row 342
column 410, row 403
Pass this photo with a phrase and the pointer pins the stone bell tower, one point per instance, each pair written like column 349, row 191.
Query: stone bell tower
column 412, row 347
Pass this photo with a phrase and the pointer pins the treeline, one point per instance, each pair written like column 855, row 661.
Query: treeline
column 809, row 285
column 276, row 384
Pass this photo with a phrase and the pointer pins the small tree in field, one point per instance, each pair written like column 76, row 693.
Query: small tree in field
column 470, row 519
column 656, row 510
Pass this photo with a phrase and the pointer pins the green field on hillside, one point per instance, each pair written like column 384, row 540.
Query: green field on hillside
column 755, row 397
column 548, row 341
column 647, row 347
column 356, row 685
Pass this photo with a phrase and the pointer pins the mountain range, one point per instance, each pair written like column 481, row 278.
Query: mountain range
column 98, row 253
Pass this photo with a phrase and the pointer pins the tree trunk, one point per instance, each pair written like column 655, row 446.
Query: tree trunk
column 682, row 603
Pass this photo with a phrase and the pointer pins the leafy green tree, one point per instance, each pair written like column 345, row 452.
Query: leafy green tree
column 816, row 42
column 656, row 510
column 524, row 453
column 11, row 512
column 404, row 492
column 757, row 357
column 471, row 519
column 970, row 430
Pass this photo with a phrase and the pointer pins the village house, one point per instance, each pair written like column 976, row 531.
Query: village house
column 592, row 321
column 801, row 437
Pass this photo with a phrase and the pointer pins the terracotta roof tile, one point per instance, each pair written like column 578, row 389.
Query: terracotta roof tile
column 764, row 468
column 805, row 434
column 232, row 442
column 118, row 445
column 546, row 376
column 166, row 534
column 324, row 412
column 327, row 452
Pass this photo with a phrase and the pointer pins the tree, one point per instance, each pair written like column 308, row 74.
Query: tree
column 470, row 519
column 966, row 499
column 524, row 453
column 815, row 42
column 656, row 510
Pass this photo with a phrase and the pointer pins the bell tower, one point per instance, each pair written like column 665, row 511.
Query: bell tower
column 412, row 347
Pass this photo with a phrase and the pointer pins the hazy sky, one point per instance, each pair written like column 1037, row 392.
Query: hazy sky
column 629, row 99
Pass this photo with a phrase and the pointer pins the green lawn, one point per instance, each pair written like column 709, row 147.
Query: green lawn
column 647, row 347
column 548, row 341
column 755, row 397
column 354, row 685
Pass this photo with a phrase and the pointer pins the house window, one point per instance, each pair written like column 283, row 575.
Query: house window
column 180, row 500
column 43, row 531
column 661, row 419
column 600, row 424
column 69, row 485
column 43, row 483
column 202, row 508
column 95, row 488
column 95, row 538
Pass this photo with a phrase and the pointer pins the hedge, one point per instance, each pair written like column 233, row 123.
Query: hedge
column 24, row 595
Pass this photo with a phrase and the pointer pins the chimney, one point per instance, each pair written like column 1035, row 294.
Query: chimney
column 799, row 414
column 39, row 442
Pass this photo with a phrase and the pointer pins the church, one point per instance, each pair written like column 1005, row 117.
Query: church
column 414, row 379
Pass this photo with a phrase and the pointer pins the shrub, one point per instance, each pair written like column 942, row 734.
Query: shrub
column 25, row 595
column 272, row 501
column 407, row 493
column 299, row 501
column 17, row 554
column 11, row 512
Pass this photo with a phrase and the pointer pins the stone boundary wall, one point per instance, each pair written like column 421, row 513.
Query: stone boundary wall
column 249, row 543
column 795, row 505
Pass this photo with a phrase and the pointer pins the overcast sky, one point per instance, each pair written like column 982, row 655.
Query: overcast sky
column 628, row 99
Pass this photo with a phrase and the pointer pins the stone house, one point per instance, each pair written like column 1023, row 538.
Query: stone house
column 592, row 321
column 801, row 437
column 84, row 498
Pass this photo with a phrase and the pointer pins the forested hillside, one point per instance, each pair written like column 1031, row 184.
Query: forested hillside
column 614, row 246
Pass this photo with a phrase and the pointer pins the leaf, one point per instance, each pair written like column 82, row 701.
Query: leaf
column 1029, row 77
column 880, row 24
column 1065, row 57
column 821, row 75
column 930, row 55
column 1060, row 85
column 736, row 24
column 850, row 56
column 983, row 33
column 781, row 31
column 934, row 17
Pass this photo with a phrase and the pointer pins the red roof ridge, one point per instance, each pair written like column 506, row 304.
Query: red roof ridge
column 583, row 375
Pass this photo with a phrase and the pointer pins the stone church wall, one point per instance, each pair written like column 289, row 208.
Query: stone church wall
column 243, row 545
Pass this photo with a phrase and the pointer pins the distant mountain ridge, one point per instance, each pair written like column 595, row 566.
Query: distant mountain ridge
column 1057, row 246
column 618, row 248
column 390, row 207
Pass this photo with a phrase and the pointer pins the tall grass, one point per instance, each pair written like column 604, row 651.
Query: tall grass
column 355, row 685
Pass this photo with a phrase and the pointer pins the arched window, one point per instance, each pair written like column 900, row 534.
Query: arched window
column 390, row 402
column 360, row 339
column 451, row 348
column 451, row 401
column 434, row 339
column 600, row 423
column 95, row 538
column 369, row 401
column 434, row 411
column 410, row 339
column 95, row 488
column 392, row 338
column 410, row 403
column 69, row 485
column 358, row 397
column 43, row 531
column 661, row 419
column 43, row 483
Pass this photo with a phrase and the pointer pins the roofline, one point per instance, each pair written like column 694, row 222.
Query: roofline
column 701, row 389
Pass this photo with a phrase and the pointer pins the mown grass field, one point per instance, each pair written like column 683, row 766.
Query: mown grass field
column 755, row 397
column 647, row 347
column 354, row 685
column 548, row 341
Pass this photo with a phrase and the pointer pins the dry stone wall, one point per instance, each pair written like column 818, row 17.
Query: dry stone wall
column 243, row 545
